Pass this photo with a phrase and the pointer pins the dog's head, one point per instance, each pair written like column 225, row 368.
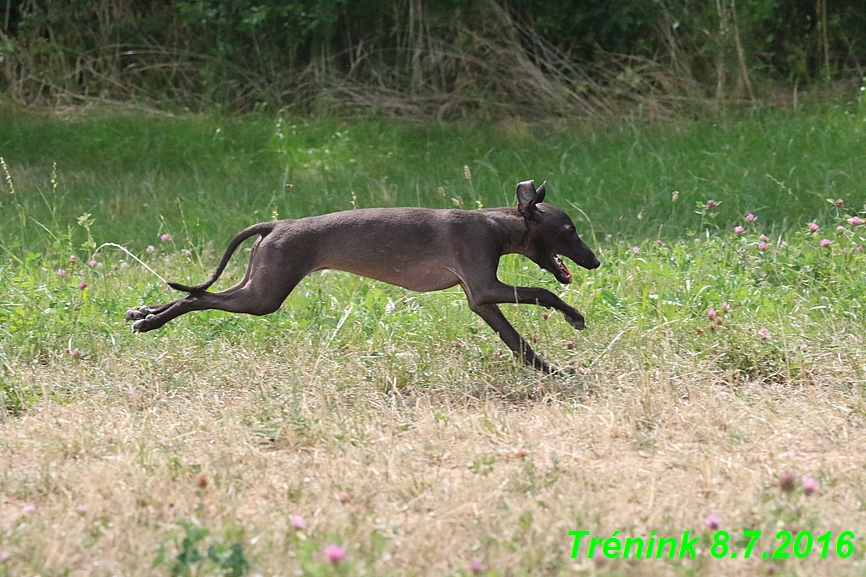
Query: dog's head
column 551, row 233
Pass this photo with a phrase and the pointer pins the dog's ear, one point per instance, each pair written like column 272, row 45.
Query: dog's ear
column 528, row 197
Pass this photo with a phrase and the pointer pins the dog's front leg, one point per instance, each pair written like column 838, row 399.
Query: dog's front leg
column 503, row 293
column 545, row 298
column 497, row 321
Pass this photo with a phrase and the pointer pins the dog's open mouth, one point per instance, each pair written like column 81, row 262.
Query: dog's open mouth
column 561, row 273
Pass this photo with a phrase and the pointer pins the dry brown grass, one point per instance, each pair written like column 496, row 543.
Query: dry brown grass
column 116, row 454
column 501, row 68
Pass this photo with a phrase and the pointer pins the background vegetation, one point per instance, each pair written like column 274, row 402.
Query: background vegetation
column 528, row 57
column 209, row 176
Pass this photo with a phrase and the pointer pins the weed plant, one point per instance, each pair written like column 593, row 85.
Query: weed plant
column 364, row 429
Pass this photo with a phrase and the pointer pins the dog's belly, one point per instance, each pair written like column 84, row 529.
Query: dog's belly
column 412, row 276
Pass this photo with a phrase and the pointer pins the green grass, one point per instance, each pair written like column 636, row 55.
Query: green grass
column 712, row 362
column 201, row 179
column 208, row 177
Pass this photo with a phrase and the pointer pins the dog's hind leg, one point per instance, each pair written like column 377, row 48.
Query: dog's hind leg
column 140, row 312
column 253, row 298
column 143, row 311
column 266, row 284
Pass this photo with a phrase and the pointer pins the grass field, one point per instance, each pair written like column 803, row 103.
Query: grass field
column 719, row 387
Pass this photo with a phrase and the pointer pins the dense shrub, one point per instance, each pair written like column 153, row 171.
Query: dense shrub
column 408, row 56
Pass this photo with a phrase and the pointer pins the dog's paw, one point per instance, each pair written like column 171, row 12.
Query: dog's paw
column 577, row 322
column 136, row 313
column 143, row 325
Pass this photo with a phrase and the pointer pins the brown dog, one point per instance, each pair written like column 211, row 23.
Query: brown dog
column 420, row 249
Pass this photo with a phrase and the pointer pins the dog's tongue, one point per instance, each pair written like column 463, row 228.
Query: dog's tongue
column 563, row 271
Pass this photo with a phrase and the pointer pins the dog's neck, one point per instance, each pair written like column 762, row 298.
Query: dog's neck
column 512, row 231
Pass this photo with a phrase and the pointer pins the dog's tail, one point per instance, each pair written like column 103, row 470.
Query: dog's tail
column 263, row 228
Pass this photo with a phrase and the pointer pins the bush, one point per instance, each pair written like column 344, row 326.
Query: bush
column 445, row 58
